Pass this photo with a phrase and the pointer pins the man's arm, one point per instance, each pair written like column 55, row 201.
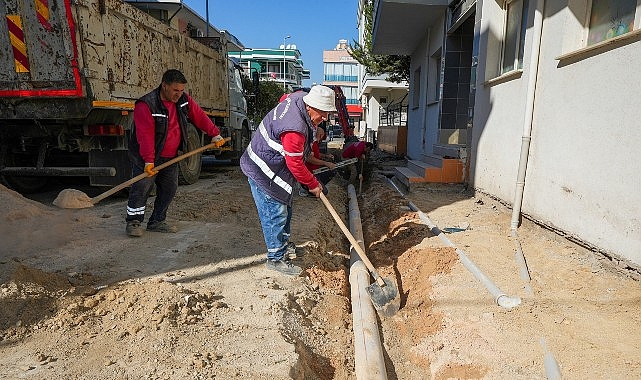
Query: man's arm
column 317, row 161
column 294, row 143
column 199, row 118
column 145, row 130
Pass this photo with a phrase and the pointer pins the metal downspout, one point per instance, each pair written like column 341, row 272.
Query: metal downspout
column 369, row 361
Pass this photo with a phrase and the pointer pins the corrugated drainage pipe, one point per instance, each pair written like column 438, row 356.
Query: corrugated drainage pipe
column 369, row 361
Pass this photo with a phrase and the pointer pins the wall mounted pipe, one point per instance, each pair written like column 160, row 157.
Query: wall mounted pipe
column 529, row 112
column 369, row 361
column 551, row 366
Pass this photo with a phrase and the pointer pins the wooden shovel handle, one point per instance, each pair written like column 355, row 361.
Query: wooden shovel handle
column 352, row 240
column 137, row 178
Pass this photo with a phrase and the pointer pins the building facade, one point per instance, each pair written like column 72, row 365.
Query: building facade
column 536, row 97
column 186, row 20
column 340, row 69
column 282, row 65
column 382, row 101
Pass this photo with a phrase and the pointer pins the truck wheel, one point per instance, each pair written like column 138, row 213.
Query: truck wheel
column 245, row 138
column 189, row 168
column 24, row 185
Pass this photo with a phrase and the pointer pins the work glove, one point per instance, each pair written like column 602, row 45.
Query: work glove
column 149, row 169
column 218, row 140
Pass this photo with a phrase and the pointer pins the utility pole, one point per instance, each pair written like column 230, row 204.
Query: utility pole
column 284, row 38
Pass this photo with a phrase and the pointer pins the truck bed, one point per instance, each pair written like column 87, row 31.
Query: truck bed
column 60, row 59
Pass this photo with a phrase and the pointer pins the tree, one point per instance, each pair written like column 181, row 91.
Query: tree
column 397, row 67
column 261, row 101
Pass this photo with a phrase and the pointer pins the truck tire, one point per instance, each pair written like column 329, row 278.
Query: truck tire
column 24, row 185
column 189, row 168
column 245, row 138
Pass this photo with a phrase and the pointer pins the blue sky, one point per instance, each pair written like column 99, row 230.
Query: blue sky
column 314, row 25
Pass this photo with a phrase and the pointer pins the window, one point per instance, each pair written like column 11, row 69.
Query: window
column 435, row 76
column 340, row 72
column 416, row 94
column 610, row 18
column 514, row 36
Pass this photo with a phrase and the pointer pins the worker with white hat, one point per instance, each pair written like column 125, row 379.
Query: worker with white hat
column 275, row 160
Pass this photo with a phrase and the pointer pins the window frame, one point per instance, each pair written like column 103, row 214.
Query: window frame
column 435, row 80
column 416, row 94
column 575, row 38
column 519, row 39
column 588, row 15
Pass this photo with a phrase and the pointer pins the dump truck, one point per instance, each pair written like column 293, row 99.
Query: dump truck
column 70, row 72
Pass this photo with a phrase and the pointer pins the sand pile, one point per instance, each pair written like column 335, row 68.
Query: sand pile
column 26, row 224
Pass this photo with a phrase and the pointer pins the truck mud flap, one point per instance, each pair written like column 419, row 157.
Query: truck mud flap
column 116, row 158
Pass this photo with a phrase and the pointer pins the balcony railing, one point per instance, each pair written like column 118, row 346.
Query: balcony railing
column 393, row 115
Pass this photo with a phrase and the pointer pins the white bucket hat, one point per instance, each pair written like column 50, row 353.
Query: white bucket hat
column 322, row 98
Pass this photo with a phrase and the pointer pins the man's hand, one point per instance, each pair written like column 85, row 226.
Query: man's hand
column 317, row 190
column 330, row 165
column 149, row 169
column 218, row 140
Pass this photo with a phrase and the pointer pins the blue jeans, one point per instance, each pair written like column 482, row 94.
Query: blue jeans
column 275, row 219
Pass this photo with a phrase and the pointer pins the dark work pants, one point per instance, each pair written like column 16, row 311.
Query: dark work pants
column 166, row 181
column 325, row 177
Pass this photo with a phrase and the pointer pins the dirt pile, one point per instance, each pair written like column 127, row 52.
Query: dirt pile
column 28, row 225
column 79, row 299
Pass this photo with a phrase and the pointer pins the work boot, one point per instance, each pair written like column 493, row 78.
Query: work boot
column 161, row 227
column 283, row 266
column 303, row 191
column 134, row 228
column 293, row 251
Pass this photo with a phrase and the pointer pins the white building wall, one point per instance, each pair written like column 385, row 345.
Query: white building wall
column 583, row 175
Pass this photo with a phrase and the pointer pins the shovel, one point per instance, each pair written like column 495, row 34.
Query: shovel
column 360, row 178
column 71, row 198
column 382, row 292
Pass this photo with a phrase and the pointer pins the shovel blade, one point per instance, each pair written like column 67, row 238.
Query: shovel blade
column 385, row 299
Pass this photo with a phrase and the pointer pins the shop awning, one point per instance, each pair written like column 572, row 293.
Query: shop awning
column 354, row 110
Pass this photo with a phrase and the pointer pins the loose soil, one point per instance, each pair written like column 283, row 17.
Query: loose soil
column 81, row 300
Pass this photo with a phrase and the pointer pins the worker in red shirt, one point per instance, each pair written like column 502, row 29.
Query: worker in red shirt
column 358, row 150
column 316, row 160
column 274, row 162
column 160, row 129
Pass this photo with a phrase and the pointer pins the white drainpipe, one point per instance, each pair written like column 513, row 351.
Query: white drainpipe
column 369, row 362
column 552, row 369
column 529, row 112
column 500, row 297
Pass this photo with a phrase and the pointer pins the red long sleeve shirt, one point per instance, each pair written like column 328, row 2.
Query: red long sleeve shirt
column 355, row 150
column 146, row 127
column 315, row 153
column 294, row 142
